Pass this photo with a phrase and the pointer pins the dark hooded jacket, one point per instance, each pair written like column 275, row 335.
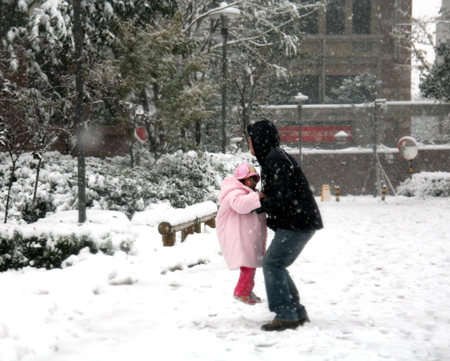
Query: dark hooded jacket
column 289, row 201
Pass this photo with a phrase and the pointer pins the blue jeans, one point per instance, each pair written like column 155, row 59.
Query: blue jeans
column 282, row 295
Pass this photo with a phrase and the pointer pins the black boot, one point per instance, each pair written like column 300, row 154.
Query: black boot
column 277, row 325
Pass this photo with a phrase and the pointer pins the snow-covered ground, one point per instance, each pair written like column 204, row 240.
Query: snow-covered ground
column 375, row 282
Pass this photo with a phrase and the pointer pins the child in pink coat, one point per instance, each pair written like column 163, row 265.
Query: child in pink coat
column 241, row 233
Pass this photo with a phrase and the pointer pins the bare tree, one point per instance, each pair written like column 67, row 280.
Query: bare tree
column 417, row 37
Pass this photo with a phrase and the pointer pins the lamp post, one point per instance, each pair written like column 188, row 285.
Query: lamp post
column 225, row 13
column 377, row 186
column 300, row 98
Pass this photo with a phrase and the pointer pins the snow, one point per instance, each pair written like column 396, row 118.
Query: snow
column 358, row 150
column 374, row 281
column 351, row 106
column 227, row 10
column 109, row 11
column 407, row 137
column 164, row 213
column 14, row 64
column 341, row 134
column 22, row 5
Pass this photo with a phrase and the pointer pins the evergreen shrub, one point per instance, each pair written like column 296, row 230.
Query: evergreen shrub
column 43, row 251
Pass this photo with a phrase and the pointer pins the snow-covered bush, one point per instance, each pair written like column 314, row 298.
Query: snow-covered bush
column 51, row 240
column 426, row 184
column 182, row 179
column 188, row 178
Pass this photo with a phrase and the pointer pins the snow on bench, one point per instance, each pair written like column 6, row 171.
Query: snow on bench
column 188, row 221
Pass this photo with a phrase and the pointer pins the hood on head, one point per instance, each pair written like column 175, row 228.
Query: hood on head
column 265, row 137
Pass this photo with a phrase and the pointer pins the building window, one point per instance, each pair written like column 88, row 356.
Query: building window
column 309, row 23
column 335, row 17
column 361, row 16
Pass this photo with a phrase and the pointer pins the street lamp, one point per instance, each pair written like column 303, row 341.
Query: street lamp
column 225, row 13
column 300, row 99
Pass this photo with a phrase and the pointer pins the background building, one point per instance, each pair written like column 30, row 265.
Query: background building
column 351, row 38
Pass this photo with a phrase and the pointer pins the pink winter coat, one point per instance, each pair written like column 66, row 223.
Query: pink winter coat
column 242, row 235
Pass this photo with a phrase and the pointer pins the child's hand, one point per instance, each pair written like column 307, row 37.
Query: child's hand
column 261, row 195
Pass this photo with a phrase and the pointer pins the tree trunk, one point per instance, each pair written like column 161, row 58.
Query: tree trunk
column 10, row 183
column 147, row 122
column 154, row 137
column 1, row 32
column 198, row 133
column 33, row 205
column 130, row 130
column 245, row 122
column 78, row 37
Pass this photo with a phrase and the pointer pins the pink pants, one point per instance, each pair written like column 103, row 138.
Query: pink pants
column 246, row 282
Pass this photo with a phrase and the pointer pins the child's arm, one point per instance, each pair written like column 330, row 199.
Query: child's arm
column 243, row 203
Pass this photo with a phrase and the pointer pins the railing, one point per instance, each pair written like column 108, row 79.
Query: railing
column 188, row 221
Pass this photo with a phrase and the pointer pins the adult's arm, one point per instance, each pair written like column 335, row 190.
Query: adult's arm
column 279, row 178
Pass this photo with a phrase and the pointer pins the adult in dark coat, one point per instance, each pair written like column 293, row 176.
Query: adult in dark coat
column 292, row 213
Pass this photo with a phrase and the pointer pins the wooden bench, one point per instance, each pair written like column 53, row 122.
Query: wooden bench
column 194, row 224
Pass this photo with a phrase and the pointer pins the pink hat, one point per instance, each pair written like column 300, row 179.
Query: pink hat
column 244, row 171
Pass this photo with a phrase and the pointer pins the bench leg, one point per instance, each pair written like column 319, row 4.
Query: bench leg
column 211, row 223
column 185, row 232
column 169, row 240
